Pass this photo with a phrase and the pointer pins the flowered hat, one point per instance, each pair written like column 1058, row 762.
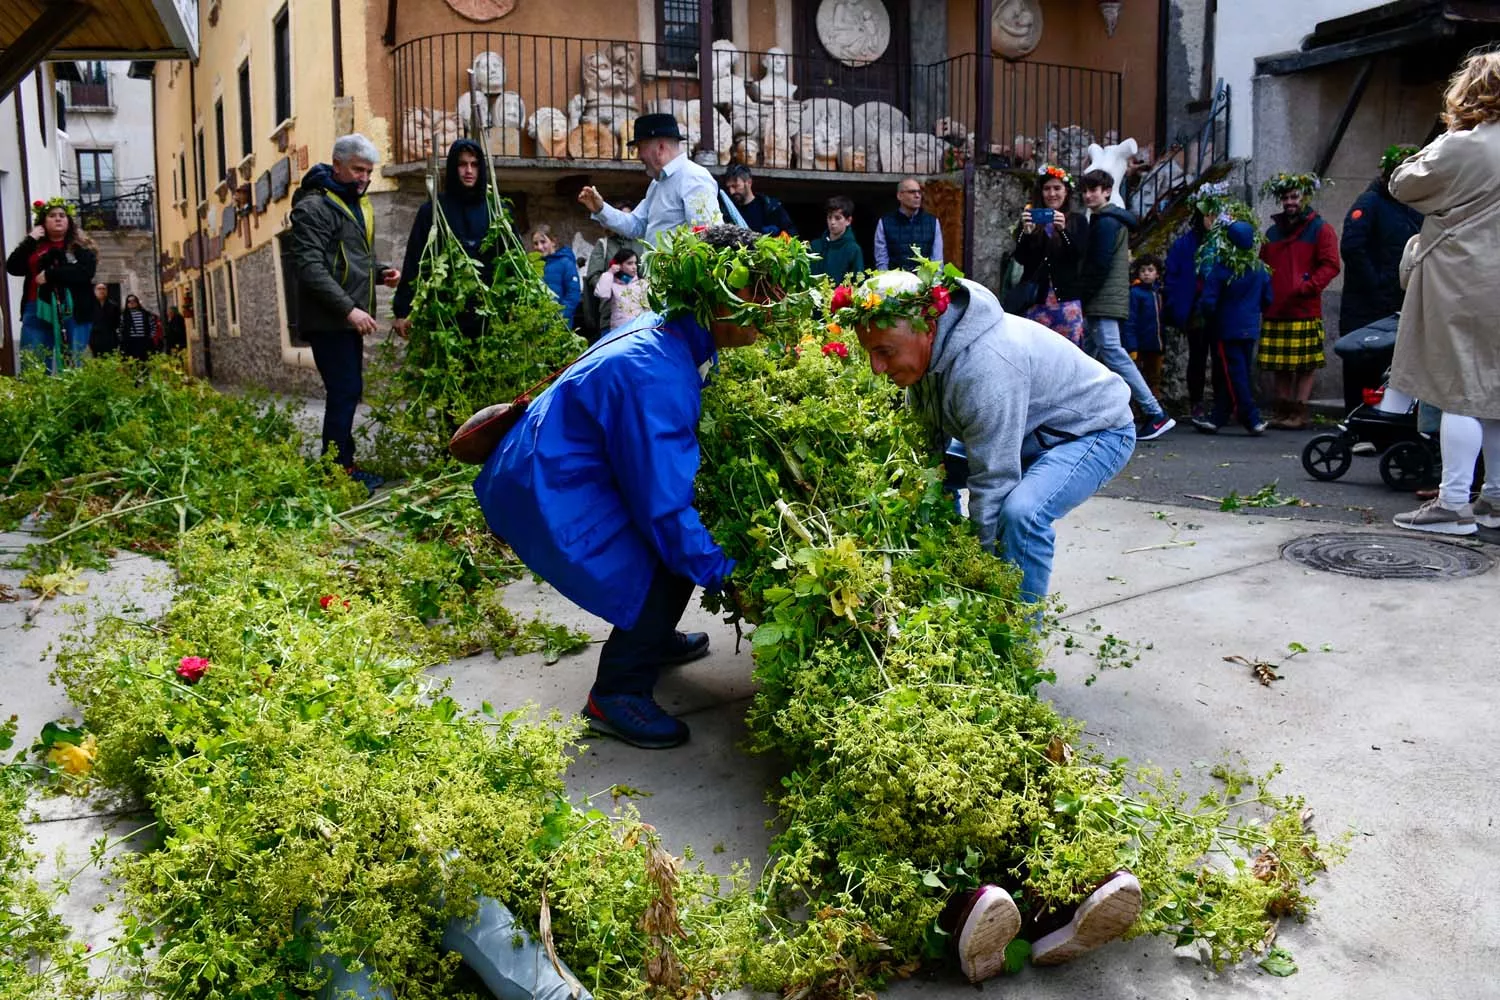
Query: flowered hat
column 1052, row 170
column 39, row 208
column 886, row 297
column 1279, row 184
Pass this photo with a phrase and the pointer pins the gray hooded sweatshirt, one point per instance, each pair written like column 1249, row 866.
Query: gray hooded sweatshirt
column 1009, row 388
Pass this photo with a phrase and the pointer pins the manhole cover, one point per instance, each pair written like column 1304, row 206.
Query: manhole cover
column 1387, row 557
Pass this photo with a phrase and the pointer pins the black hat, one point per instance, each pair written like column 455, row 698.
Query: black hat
column 655, row 126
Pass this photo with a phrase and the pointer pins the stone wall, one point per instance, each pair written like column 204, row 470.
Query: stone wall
column 999, row 197
column 128, row 257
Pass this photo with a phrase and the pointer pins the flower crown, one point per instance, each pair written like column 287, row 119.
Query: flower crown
column 1217, row 248
column 40, row 208
column 1279, row 184
column 1395, row 154
column 885, row 297
column 1053, row 170
column 1211, row 199
column 689, row 275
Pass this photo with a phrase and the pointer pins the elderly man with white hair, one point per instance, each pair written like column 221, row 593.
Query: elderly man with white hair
column 682, row 193
column 333, row 245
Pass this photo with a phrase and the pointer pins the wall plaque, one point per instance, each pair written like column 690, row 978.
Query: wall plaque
column 281, row 178
column 263, row 192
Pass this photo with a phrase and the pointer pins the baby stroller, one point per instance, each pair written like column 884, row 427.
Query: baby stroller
column 1387, row 419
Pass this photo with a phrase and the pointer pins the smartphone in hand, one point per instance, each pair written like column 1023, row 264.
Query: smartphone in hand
column 1041, row 216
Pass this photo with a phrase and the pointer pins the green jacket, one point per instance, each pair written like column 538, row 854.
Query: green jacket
column 841, row 257
column 332, row 247
column 1104, row 277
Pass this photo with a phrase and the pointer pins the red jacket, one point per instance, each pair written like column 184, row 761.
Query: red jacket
column 1304, row 258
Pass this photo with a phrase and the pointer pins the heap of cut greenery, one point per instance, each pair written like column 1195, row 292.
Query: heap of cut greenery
column 314, row 790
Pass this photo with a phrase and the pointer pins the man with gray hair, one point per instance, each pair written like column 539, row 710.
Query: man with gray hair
column 333, row 240
column 681, row 192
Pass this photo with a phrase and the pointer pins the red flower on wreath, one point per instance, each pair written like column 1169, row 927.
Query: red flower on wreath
column 836, row 347
column 699, row 229
column 940, row 299
column 327, row 599
column 843, row 298
column 192, row 668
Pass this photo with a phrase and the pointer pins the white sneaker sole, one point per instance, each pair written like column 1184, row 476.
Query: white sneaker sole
column 1159, row 431
column 1442, row 527
column 992, row 924
column 1106, row 915
column 1487, row 520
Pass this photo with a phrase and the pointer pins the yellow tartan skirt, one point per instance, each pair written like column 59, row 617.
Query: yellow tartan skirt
column 1291, row 345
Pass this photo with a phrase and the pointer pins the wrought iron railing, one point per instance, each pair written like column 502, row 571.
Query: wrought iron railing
column 132, row 210
column 568, row 98
column 1184, row 163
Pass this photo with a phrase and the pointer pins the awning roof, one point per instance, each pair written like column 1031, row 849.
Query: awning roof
column 109, row 29
column 1386, row 28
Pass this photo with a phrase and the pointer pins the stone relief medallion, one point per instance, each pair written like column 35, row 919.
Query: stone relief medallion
column 1015, row 28
column 482, row 10
column 855, row 32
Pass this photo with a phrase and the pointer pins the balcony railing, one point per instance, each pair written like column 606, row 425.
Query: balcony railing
column 553, row 99
column 132, row 210
column 89, row 95
column 1186, row 162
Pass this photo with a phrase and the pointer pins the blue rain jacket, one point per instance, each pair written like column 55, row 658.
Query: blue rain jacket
column 593, row 487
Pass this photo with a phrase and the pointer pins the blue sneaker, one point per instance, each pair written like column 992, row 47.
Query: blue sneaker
column 636, row 719
column 685, row 647
column 368, row 480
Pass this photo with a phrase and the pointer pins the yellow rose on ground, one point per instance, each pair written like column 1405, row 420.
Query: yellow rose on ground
column 75, row 759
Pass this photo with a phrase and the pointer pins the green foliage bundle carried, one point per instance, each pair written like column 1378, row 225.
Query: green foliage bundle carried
column 896, row 676
column 708, row 274
column 1218, row 248
column 482, row 331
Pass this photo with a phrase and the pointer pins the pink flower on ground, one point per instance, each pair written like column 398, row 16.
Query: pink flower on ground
column 192, row 668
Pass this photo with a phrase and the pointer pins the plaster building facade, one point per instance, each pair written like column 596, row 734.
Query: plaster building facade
column 819, row 96
column 30, row 148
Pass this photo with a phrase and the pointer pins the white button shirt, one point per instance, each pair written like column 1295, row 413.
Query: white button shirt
column 684, row 194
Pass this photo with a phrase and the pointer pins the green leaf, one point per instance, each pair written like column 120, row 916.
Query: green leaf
column 1278, row 962
column 931, row 881
column 1016, row 954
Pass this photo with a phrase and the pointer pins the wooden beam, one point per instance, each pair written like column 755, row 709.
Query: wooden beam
column 1356, row 93
column 56, row 22
column 1296, row 62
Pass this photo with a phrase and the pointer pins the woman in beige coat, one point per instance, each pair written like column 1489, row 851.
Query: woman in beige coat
column 1448, row 345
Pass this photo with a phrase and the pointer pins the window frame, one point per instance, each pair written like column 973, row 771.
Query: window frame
column 95, row 154
column 247, row 135
column 282, row 98
column 220, row 146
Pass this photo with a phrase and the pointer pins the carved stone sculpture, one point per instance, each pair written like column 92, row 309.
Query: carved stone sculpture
column 870, row 121
column 776, row 133
column 593, row 141
column 609, row 89
column 549, row 128
column 911, row 153
column 575, row 110
column 482, row 10
column 775, row 84
column 1113, row 160
column 473, row 112
column 1110, row 11
column 1015, row 28
column 487, row 74
column 747, row 151
column 428, row 132
column 855, row 32
column 509, row 110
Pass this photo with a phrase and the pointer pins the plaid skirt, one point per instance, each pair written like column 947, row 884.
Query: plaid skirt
column 1291, row 345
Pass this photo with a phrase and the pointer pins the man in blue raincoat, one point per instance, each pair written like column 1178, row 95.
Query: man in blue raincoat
column 593, row 489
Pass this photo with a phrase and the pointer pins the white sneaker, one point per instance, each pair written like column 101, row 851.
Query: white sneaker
column 1487, row 512
column 1434, row 517
column 990, row 924
column 1108, row 912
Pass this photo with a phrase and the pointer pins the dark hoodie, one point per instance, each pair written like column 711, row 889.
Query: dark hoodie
column 1232, row 306
column 1104, row 277
column 332, row 246
column 468, row 213
column 1375, row 234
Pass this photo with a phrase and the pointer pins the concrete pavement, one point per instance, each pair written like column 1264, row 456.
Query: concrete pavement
column 1387, row 734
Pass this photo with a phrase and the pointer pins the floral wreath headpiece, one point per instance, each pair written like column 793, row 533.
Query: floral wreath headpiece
column 1211, row 199
column 1217, row 248
column 40, row 208
column 1279, row 184
column 1047, row 170
column 883, row 298
column 1395, row 154
column 689, row 275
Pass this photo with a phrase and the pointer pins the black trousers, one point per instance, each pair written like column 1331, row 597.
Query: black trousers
column 631, row 658
column 340, row 357
column 1200, row 361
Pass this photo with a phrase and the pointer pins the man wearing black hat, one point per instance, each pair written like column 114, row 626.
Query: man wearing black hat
column 681, row 193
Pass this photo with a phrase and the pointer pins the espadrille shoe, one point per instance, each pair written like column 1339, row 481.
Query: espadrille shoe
column 989, row 923
column 1107, row 913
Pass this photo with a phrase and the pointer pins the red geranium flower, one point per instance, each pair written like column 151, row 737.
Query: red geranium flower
column 940, row 298
column 38, row 203
column 192, row 668
column 836, row 347
column 843, row 298
column 328, row 599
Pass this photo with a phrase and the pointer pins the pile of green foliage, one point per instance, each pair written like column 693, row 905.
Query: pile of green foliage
column 896, row 676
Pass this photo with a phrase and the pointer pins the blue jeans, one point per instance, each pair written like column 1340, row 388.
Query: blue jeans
column 1056, row 481
column 631, row 658
column 1104, row 347
column 340, row 357
column 79, row 333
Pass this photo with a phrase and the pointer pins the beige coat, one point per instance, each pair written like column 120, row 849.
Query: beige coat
column 1448, row 345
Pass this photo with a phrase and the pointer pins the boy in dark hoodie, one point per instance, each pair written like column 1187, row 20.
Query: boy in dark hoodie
column 1237, row 289
column 1142, row 333
column 839, row 254
column 466, row 207
column 1104, row 281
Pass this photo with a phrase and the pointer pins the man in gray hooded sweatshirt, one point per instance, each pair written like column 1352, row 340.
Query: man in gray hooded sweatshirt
column 1043, row 424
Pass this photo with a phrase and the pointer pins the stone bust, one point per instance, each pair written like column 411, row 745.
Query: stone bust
column 855, row 32
column 1015, row 28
